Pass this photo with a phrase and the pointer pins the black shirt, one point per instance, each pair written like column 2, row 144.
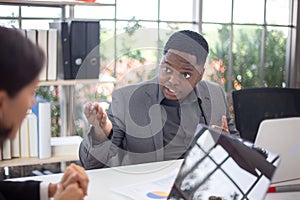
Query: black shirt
column 176, row 136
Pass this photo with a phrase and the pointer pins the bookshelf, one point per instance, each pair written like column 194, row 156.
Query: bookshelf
column 63, row 149
column 67, row 7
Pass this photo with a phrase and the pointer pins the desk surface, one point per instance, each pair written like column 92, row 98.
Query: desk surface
column 103, row 180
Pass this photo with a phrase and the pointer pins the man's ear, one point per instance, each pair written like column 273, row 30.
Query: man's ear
column 3, row 96
column 201, row 74
column 1, row 102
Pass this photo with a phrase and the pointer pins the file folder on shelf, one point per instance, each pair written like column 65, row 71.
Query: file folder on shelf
column 92, row 49
column 42, row 42
column 63, row 48
column 78, row 47
column 52, row 55
column 84, row 42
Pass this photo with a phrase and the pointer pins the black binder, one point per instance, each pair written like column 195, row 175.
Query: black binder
column 78, row 47
column 63, row 56
column 92, row 49
column 84, row 38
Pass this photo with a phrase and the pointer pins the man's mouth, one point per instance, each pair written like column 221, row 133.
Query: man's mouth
column 169, row 91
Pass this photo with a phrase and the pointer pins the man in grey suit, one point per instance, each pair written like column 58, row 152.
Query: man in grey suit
column 156, row 120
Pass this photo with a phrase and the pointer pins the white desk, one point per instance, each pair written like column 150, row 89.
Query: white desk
column 102, row 180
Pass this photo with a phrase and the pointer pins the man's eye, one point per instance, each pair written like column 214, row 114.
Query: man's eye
column 167, row 69
column 186, row 75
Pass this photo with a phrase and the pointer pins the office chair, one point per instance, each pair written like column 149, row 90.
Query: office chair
column 252, row 105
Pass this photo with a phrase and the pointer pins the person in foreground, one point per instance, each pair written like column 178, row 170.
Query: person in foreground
column 156, row 120
column 20, row 64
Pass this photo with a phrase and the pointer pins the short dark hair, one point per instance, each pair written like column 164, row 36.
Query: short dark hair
column 21, row 61
column 189, row 42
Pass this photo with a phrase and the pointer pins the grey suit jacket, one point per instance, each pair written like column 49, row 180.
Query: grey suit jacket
column 138, row 119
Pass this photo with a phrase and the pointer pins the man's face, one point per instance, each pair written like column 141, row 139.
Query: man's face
column 178, row 74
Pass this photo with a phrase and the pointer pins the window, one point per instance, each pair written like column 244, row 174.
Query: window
column 29, row 17
column 247, row 49
column 227, row 24
column 250, row 41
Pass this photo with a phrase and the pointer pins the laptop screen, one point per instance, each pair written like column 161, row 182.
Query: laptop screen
column 282, row 136
column 218, row 166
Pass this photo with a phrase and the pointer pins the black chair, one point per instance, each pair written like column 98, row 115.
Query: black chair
column 253, row 105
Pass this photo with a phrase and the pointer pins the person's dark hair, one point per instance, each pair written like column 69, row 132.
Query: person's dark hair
column 189, row 42
column 21, row 61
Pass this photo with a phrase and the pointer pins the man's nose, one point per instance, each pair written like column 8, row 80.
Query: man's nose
column 175, row 78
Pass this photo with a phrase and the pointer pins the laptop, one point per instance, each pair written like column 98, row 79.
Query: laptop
column 219, row 166
column 282, row 136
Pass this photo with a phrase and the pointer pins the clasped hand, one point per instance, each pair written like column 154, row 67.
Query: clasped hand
column 73, row 185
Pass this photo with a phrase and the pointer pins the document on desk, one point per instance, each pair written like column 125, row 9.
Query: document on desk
column 158, row 188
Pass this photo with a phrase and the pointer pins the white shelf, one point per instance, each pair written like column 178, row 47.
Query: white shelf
column 68, row 82
column 35, row 161
column 102, row 79
column 55, row 3
column 74, row 82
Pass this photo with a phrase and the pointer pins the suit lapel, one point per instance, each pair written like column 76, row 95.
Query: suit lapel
column 189, row 121
column 203, row 94
column 153, row 105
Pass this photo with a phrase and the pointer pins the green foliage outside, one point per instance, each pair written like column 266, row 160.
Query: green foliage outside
column 275, row 58
column 50, row 93
column 246, row 51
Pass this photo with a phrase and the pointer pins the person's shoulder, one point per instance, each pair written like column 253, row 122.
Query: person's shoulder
column 209, row 83
column 212, row 87
column 147, row 83
column 141, row 86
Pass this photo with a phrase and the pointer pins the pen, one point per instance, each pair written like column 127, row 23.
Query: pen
column 284, row 188
column 92, row 108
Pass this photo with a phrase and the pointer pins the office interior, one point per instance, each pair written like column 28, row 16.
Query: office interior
column 253, row 44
